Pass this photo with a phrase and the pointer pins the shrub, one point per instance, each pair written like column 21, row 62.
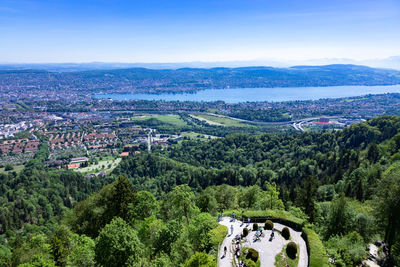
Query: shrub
column 200, row 259
column 8, row 167
column 255, row 227
column 218, row 234
column 291, row 250
column 252, row 254
column 269, row 225
column 245, row 232
column 286, row 233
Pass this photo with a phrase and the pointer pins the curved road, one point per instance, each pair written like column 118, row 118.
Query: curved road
column 267, row 249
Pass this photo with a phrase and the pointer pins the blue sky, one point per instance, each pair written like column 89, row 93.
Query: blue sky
column 203, row 30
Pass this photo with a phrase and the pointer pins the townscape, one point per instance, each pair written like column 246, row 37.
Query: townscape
column 106, row 129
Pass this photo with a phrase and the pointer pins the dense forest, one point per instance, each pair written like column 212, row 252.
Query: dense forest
column 160, row 209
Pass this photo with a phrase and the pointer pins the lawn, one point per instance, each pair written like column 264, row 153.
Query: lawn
column 282, row 259
column 170, row 119
column 214, row 120
column 353, row 99
column 17, row 169
column 101, row 166
column 199, row 136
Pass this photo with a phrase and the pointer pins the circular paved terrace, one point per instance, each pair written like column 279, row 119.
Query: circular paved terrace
column 267, row 249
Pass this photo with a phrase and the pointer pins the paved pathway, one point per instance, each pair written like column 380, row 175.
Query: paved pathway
column 267, row 249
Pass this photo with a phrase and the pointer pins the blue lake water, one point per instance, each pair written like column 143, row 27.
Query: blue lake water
column 261, row 94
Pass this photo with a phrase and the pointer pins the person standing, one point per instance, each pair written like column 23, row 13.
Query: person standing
column 231, row 229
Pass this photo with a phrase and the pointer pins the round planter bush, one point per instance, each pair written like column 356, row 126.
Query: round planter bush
column 269, row 225
column 245, row 232
column 255, row 227
column 252, row 254
column 291, row 250
column 286, row 233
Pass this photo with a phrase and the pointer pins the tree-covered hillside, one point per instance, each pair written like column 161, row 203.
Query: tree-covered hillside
column 160, row 209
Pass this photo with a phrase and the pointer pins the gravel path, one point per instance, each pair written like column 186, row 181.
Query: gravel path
column 267, row 249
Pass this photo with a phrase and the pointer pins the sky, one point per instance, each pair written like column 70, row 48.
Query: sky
column 202, row 30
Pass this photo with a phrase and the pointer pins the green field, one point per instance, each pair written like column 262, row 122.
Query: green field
column 170, row 119
column 17, row 169
column 101, row 166
column 214, row 120
column 193, row 135
column 354, row 99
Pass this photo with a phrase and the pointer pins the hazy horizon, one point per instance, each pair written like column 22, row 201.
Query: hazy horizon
column 389, row 63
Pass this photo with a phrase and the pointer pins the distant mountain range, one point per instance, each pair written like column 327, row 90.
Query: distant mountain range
column 389, row 63
column 193, row 79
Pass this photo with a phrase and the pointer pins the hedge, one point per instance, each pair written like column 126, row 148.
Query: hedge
column 317, row 253
column 281, row 215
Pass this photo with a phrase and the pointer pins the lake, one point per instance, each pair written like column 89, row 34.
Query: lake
column 260, row 94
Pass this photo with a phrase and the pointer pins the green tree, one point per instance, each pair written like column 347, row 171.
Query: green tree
column 308, row 195
column 180, row 203
column 206, row 200
column 162, row 260
column 143, row 206
column 90, row 216
column 326, row 192
column 39, row 261
column 339, row 217
column 226, row 197
column 373, row 153
column 200, row 259
column 388, row 203
column 149, row 230
column 36, row 249
column 249, row 196
column 60, row 245
column 82, row 251
column 117, row 244
column 120, row 198
column 198, row 231
column 169, row 233
column 356, row 184
column 269, row 199
column 182, row 248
